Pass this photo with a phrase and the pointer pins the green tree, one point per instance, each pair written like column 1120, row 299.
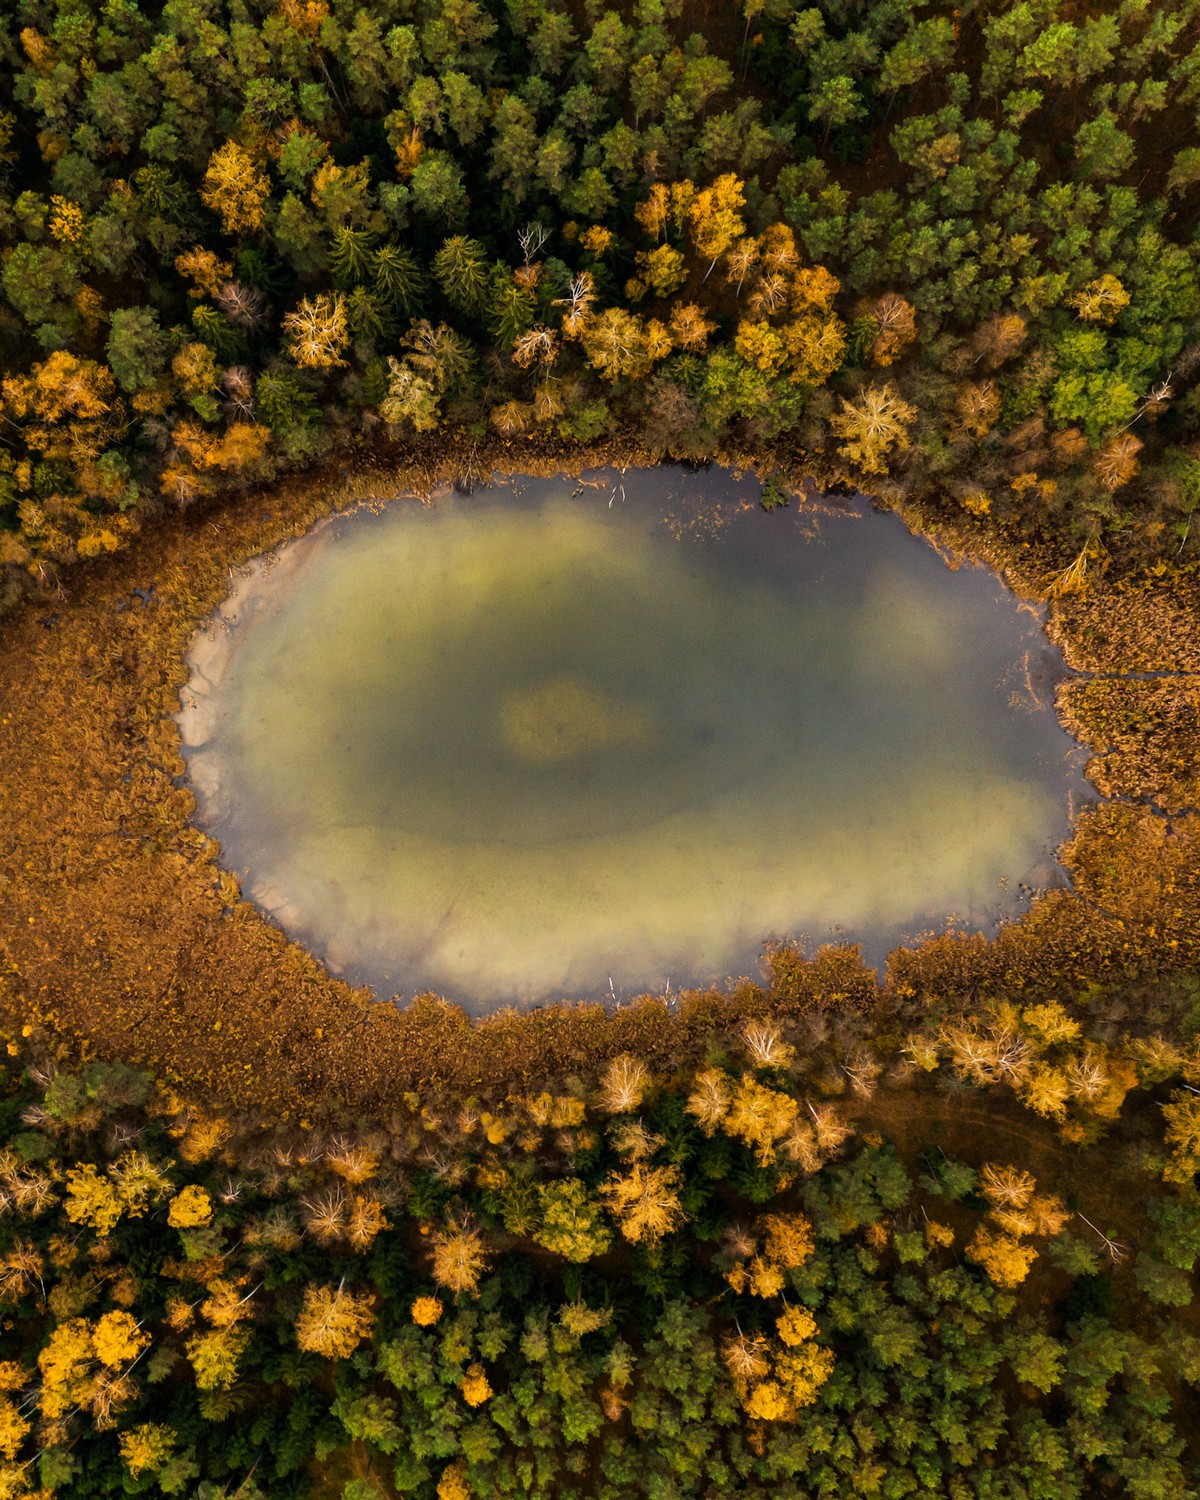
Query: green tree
column 462, row 273
column 514, row 147
column 1099, row 402
column 925, row 48
column 1036, row 1358
column 466, row 107
column 607, row 51
column 350, row 256
column 1102, row 149
column 438, row 190
column 137, row 347
column 1050, row 54
column 397, row 278
column 835, row 103
column 371, row 1419
column 554, row 159
column 551, row 44
column 511, row 308
column 298, row 236
column 1185, row 170
column 590, row 195
column 39, row 282
column 572, row 1222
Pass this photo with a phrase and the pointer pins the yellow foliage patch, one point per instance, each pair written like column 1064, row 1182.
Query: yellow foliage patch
column 190, row 1209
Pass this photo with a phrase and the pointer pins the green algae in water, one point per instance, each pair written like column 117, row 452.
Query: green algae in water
column 512, row 746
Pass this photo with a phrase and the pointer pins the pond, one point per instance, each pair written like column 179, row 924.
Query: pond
column 590, row 738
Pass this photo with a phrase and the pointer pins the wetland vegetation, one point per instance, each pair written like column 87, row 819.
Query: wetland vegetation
column 801, row 1234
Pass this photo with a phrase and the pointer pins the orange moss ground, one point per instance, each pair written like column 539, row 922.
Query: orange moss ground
column 118, row 928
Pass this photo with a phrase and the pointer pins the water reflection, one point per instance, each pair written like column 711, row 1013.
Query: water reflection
column 517, row 743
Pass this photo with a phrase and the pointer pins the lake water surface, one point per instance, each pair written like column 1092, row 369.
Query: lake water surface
column 556, row 736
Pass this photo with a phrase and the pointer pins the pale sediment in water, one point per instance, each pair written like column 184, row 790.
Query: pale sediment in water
column 510, row 746
column 567, row 717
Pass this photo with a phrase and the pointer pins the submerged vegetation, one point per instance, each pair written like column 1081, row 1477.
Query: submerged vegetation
column 562, row 719
column 809, row 1236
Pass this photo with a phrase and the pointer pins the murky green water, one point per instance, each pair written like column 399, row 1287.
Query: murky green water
column 515, row 745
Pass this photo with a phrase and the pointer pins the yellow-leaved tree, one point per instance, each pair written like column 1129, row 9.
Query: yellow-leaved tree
column 426, row 1311
column 191, row 1208
column 873, row 425
column 200, row 454
column 333, row 1321
column 86, row 1366
column 774, row 1378
column 475, row 1386
column 713, row 217
column 235, row 189
column 759, row 1116
column 816, row 346
column 1006, row 1260
column 459, row 1257
column 61, row 387
column 1101, row 301
column 661, row 271
column 92, row 1199
column 895, row 328
column 778, row 1244
column 708, row 1102
column 622, row 346
column 623, row 1085
column 147, row 1447
column 1015, row 1211
column 214, row 1356
column 317, row 331
column 453, row 1483
column 644, row 1200
column 14, row 1428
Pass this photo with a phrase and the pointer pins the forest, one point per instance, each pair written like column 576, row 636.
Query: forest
column 820, row 1233
column 953, row 252
column 725, row 1280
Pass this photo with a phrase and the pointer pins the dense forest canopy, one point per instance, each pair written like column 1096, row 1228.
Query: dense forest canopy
column 953, row 251
column 809, row 1237
column 721, row 1283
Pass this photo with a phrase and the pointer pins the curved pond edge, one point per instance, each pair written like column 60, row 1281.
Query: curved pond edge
column 121, row 932
column 265, row 581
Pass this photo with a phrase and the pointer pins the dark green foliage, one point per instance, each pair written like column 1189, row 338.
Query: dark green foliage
column 618, row 1368
column 283, row 400
column 774, row 496
column 983, row 167
column 1090, row 1297
column 398, row 278
column 137, row 347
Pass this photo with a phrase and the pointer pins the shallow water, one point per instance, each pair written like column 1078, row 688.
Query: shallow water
column 566, row 739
